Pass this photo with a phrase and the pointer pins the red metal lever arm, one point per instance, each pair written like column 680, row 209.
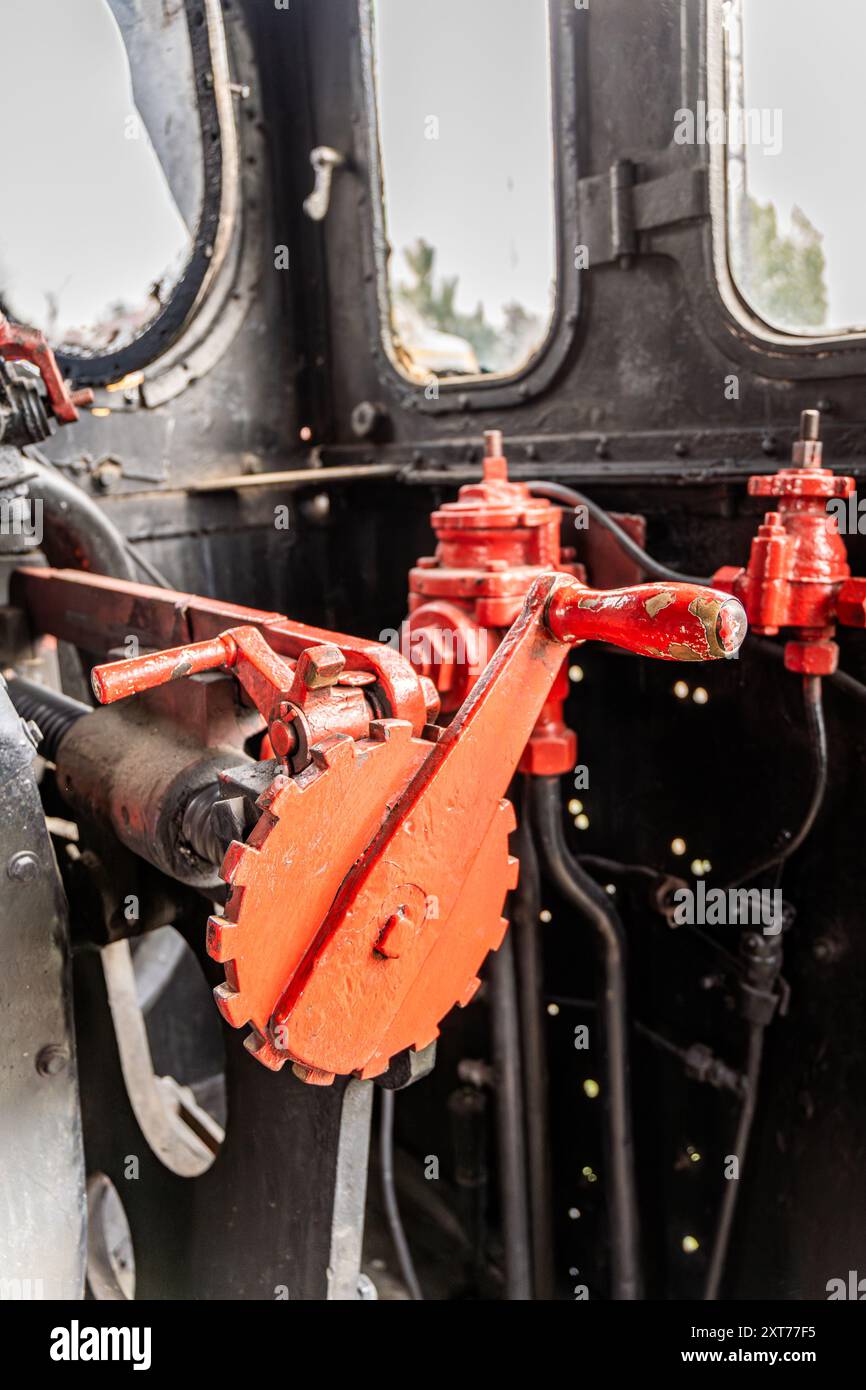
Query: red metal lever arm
column 440, row 830
column 116, row 680
column 265, row 676
column 673, row 622
column 20, row 344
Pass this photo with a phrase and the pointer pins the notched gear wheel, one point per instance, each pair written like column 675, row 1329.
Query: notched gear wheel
column 313, row 829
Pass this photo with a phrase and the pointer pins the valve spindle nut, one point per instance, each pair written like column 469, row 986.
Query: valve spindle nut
column 811, row 658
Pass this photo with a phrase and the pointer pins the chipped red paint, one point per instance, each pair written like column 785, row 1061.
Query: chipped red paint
column 97, row 612
column 672, row 622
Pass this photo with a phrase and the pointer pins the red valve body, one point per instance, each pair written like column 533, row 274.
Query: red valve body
column 491, row 544
column 797, row 575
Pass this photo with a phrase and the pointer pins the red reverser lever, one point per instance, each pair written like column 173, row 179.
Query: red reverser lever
column 371, row 888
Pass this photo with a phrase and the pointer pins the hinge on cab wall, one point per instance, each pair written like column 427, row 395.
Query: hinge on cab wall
column 631, row 198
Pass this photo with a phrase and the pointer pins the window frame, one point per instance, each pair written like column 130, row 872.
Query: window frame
column 215, row 229
column 733, row 299
column 457, row 393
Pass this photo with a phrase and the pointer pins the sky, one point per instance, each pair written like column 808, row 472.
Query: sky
column 87, row 213
column 807, row 58
column 482, row 193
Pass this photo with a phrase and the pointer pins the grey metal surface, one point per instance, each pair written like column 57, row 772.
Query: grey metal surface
column 42, row 1188
column 350, row 1193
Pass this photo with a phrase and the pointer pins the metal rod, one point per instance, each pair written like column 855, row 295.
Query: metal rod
column 389, row 1192
column 307, row 477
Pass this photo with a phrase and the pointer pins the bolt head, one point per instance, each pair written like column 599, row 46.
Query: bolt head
column 52, row 1059
column 320, row 666
column 282, row 737
column 396, row 935
column 23, row 867
column 851, row 603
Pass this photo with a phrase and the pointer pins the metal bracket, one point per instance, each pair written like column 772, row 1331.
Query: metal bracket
column 616, row 207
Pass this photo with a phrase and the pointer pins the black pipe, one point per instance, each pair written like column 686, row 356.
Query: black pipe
column 81, row 535
column 467, row 1110
column 525, row 917
column 54, row 712
column 595, row 906
column 389, row 1194
column 510, row 1124
column 741, row 1143
column 76, row 532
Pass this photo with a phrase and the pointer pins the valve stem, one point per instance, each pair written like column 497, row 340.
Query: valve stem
column 493, row 444
column 808, row 449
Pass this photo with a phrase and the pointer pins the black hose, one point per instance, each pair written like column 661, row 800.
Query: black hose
column 467, row 1110
column 510, row 1124
column 525, row 917
column 814, row 710
column 389, row 1193
column 595, row 906
column 817, row 732
column 722, row 1236
column 77, row 533
column 572, row 498
column 54, row 712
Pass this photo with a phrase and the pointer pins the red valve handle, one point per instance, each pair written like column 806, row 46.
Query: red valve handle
column 115, row 680
column 672, row 622
column 266, row 677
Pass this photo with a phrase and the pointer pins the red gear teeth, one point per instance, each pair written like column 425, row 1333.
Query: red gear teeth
column 311, row 831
